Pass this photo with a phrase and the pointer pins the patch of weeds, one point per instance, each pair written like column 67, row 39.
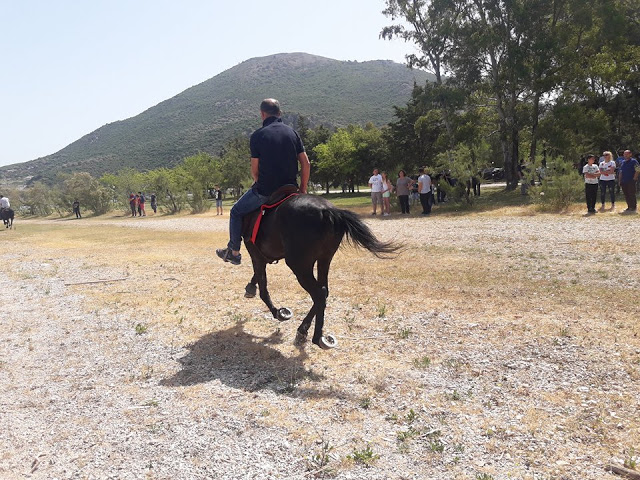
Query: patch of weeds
column 365, row 402
column 350, row 321
column 455, row 396
column 321, row 458
column 408, row 434
column 564, row 331
column 366, row 456
column 140, row 329
column 150, row 403
column 436, row 445
column 404, row 333
column 453, row 364
column 422, row 362
column 154, row 428
column 631, row 459
column 361, row 379
column 411, row 416
column 265, row 413
column 458, row 448
column 382, row 310
column 483, row 476
column 393, row 418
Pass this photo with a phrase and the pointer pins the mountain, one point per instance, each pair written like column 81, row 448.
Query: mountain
column 206, row 116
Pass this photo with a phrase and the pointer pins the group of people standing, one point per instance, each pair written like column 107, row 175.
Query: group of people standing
column 603, row 176
column 137, row 204
column 382, row 188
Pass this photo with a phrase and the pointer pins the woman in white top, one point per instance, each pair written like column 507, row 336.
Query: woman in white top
column 608, row 179
column 591, row 173
column 387, row 188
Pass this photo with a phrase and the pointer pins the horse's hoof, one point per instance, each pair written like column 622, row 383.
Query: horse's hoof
column 300, row 339
column 250, row 291
column 284, row 314
column 328, row 342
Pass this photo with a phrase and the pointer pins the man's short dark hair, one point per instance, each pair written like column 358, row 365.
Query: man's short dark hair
column 271, row 107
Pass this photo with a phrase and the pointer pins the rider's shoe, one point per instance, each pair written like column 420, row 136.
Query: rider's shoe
column 226, row 255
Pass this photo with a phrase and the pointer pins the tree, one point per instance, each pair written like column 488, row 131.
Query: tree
column 198, row 173
column 235, row 166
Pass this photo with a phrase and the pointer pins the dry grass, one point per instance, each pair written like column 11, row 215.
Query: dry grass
column 529, row 323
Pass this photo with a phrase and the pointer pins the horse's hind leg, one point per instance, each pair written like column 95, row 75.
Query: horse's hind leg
column 318, row 293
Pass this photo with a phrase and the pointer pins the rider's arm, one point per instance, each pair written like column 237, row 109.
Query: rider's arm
column 305, row 169
column 254, row 168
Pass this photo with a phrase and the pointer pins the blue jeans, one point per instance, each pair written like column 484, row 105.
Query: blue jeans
column 250, row 201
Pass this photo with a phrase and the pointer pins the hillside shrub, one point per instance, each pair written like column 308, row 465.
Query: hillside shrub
column 560, row 187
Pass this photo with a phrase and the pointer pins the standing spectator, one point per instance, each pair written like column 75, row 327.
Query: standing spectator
column 591, row 173
column 76, row 208
column 141, row 202
column 154, row 203
column 375, row 182
column 424, row 187
column 387, row 188
column 403, row 184
column 138, row 204
column 132, row 204
column 415, row 196
column 608, row 178
column 629, row 171
column 217, row 194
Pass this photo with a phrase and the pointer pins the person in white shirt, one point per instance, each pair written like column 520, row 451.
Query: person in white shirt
column 375, row 182
column 608, row 179
column 591, row 173
column 4, row 202
column 424, row 189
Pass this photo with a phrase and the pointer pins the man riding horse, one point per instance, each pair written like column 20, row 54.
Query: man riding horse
column 4, row 203
column 276, row 151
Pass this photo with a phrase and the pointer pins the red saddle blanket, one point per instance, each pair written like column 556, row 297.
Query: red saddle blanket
column 263, row 210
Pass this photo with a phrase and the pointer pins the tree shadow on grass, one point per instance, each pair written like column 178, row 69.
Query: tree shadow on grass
column 249, row 362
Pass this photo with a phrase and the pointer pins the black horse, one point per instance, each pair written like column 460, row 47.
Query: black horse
column 305, row 230
column 7, row 217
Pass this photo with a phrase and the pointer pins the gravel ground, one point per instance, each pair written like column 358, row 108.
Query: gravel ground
column 488, row 352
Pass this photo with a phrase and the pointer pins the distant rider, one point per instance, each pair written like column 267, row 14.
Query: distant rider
column 4, row 203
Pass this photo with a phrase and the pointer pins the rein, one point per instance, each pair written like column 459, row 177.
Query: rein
column 263, row 209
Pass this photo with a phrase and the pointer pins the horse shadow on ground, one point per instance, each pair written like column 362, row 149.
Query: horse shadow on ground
column 251, row 363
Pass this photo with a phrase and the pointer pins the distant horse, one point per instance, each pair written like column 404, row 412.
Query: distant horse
column 7, row 217
column 305, row 230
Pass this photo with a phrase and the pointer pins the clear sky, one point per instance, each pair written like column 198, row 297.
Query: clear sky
column 69, row 67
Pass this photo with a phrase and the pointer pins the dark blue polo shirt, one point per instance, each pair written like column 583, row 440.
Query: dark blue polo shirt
column 277, row 146
column 628, row 170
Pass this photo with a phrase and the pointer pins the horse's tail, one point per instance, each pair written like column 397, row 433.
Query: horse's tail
column 359, row 234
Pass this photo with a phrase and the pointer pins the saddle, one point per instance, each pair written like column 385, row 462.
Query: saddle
column 275, row 199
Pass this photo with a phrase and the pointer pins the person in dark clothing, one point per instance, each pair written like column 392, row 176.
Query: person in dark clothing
column 154, row 203
column 276, row 151
column 217, row 195
column 132, row 204
column 629, row 171
column 76, row 208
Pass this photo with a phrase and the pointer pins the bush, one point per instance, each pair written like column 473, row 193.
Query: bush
column 560, row 187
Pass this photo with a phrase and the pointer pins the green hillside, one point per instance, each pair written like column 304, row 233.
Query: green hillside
column 204, row 117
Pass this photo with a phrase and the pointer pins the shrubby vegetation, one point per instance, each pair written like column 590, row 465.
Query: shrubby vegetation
column 186, row 185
